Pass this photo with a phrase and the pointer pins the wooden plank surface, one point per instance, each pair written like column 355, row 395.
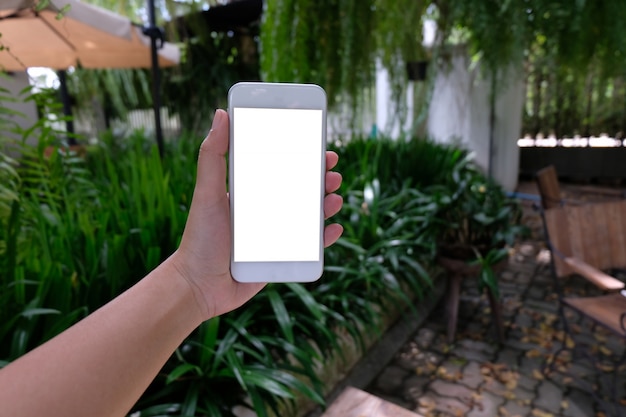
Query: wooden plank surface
column 558, row 229
column 606, row 309
column 580, row 229
column 600, row 279
column 600, row 243
column 548, row 185
column 616, row 218
column 356, row 403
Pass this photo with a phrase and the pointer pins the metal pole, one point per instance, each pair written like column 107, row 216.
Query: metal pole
column 492, row 123
column 67, row 107
column 154, row 32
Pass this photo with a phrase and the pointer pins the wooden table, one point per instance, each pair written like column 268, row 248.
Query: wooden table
column 356, row 403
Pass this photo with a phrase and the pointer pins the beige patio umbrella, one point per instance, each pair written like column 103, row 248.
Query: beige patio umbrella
column 82, row 34
column 85, row 34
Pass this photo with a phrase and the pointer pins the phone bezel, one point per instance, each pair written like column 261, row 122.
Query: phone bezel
column 279, row 96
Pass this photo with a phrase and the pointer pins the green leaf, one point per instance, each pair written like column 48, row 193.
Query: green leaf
column 160, row 410
column 181, row 370
column 235, row 367
column 41, row 5
column 208, row 335
column 267, row 380
column 308, row 300
column 350, row 245
column 32, row 312
column 190, row 403
column 483, row 218
column 281, row 313
column 258, row 402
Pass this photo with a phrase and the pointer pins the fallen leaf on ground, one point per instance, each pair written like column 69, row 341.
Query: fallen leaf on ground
column 600, row 337
column 539, row 413
column 427, row 403
column 605, row 367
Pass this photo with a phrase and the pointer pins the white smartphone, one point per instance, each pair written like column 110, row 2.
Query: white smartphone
column 277, row 165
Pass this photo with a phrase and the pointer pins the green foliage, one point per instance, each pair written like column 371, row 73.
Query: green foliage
column 35, row 193
column 212, row 63
column 117, row 90
column 471, row 219
column 327, row 43
column 487, row 278
column 566, row 102
column 420, row 162
column 398, row 35
column 335, row 43
column 576, row 55
column 471, row 213
column 74, row 240
column 579, row 34
column 497, row 31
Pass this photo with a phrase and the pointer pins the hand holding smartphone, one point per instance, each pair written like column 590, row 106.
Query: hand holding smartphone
column 276, row 181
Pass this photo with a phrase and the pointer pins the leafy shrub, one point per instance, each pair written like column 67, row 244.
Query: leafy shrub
column 470, row 218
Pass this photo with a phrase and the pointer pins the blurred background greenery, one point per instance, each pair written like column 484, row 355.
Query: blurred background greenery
column 570, row 53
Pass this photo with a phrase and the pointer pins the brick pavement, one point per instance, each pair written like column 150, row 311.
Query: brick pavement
column 477, row 377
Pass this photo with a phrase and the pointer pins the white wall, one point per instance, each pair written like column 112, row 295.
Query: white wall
column 389, row 122
column 15, row 83
column 459, row 112
column 508, row 129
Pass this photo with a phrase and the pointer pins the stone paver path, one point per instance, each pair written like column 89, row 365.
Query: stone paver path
column 477, row 377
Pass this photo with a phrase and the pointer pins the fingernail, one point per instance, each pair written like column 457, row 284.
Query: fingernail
column 217, row 118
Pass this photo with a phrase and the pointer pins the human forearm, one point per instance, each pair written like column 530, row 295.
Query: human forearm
column 101, row 366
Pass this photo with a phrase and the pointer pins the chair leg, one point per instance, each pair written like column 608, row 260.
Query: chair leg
column 496, row 311
column 452, row 307
column 550, row 365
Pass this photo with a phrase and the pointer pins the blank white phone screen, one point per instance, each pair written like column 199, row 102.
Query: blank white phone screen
column 277, row 174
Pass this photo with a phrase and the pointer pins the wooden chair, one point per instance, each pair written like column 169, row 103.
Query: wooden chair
column 549, row 189
column 588, row 240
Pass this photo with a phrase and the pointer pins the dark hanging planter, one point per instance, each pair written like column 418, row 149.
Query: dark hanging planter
column 416, row 70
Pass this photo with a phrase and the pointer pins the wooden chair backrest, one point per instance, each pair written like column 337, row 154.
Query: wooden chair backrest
column 593, row 233
column 549, row 189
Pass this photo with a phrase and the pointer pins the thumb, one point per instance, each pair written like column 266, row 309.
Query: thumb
column 211, row 181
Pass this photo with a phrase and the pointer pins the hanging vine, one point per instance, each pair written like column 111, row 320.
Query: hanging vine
column 336, row 44
column 327, row 42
